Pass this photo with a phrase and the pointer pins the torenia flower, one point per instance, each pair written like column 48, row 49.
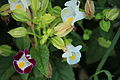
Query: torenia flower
column 19, row 4
column 23, row 63
column 72, row 54
column 63, row 29
column 71, row 12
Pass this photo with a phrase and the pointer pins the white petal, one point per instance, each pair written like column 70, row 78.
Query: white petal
column 26, row 3
column 67, row 54
column 23, row 59
column 13, row 1
column 67, row 13
column 72, row 3
column 79, row 15
column 78, row 47
column 76, row 60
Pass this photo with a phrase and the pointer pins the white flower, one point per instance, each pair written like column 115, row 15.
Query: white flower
column 19, row 4
column 71, row 13
column 72, row 54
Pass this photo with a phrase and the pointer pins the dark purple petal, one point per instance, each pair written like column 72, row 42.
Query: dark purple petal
column 32, row 61
column 28, row 69
column 18, row 55
column 17, row 68
column 26, row 51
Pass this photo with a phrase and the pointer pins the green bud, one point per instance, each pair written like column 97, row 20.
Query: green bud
column 87, row 34
column 47, row 18
column 105, row 25
column 20, row 15
column 5, row 50
column 18, row 32
column 44, row 39
column 63, row 29
column 112, row 14
column 56, row 11
column 50, row 32
column 67, row 41
column 58, row 42
column 103, row 42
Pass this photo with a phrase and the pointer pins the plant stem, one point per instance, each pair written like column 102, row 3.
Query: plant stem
column 101, row 64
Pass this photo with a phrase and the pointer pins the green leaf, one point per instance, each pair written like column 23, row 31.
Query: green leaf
column 6, row 68
column 24, row 76
column 5, row 50
column 105, row 25
column 4, row 7
column 20, row 15
column 8, row 73
column 44, row 5
column 62, row 71
column 41, row 54
column 103, row 42
column 47, row 18
column 35, row 4
column 23, row 42
column 18, row 32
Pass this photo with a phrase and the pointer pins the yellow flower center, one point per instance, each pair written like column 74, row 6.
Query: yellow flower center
column 13, row 1
column 21, row 64
column 70, row 19
column 72, row 57
column 18, row 6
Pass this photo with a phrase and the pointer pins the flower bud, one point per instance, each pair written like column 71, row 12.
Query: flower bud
column 63, row 29
column 89, row 9
column 44, row 39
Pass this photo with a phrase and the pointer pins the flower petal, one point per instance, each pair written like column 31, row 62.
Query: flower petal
column 18, row 55
column 28, row 69
column 74, row 59
column 72, row 3
column 26, row 3
column 78, row 47
column 66, row 13
column 26, row 51
column 17, row 68
column 32, row 61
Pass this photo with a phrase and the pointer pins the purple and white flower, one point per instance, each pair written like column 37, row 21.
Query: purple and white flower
column 23, row 63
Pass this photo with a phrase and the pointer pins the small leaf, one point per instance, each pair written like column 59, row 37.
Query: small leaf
column 105, row 25
column 5, row 50
column 18, row 32
column 103, row 42
column 41, row 54
column 35, row 4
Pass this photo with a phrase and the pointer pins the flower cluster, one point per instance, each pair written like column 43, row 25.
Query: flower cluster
column 19, row 4
column 23, row 63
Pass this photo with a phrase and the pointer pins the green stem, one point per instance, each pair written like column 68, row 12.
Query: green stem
column 114, row 41
column 34, row 35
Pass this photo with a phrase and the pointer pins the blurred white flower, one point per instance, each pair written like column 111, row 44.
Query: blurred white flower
column 72, row 54
column 19, row 4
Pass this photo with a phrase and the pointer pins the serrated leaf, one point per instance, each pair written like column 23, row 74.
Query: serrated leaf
column 23, row 42
column 8, row 73
column 62, row 71
column 41, row 54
